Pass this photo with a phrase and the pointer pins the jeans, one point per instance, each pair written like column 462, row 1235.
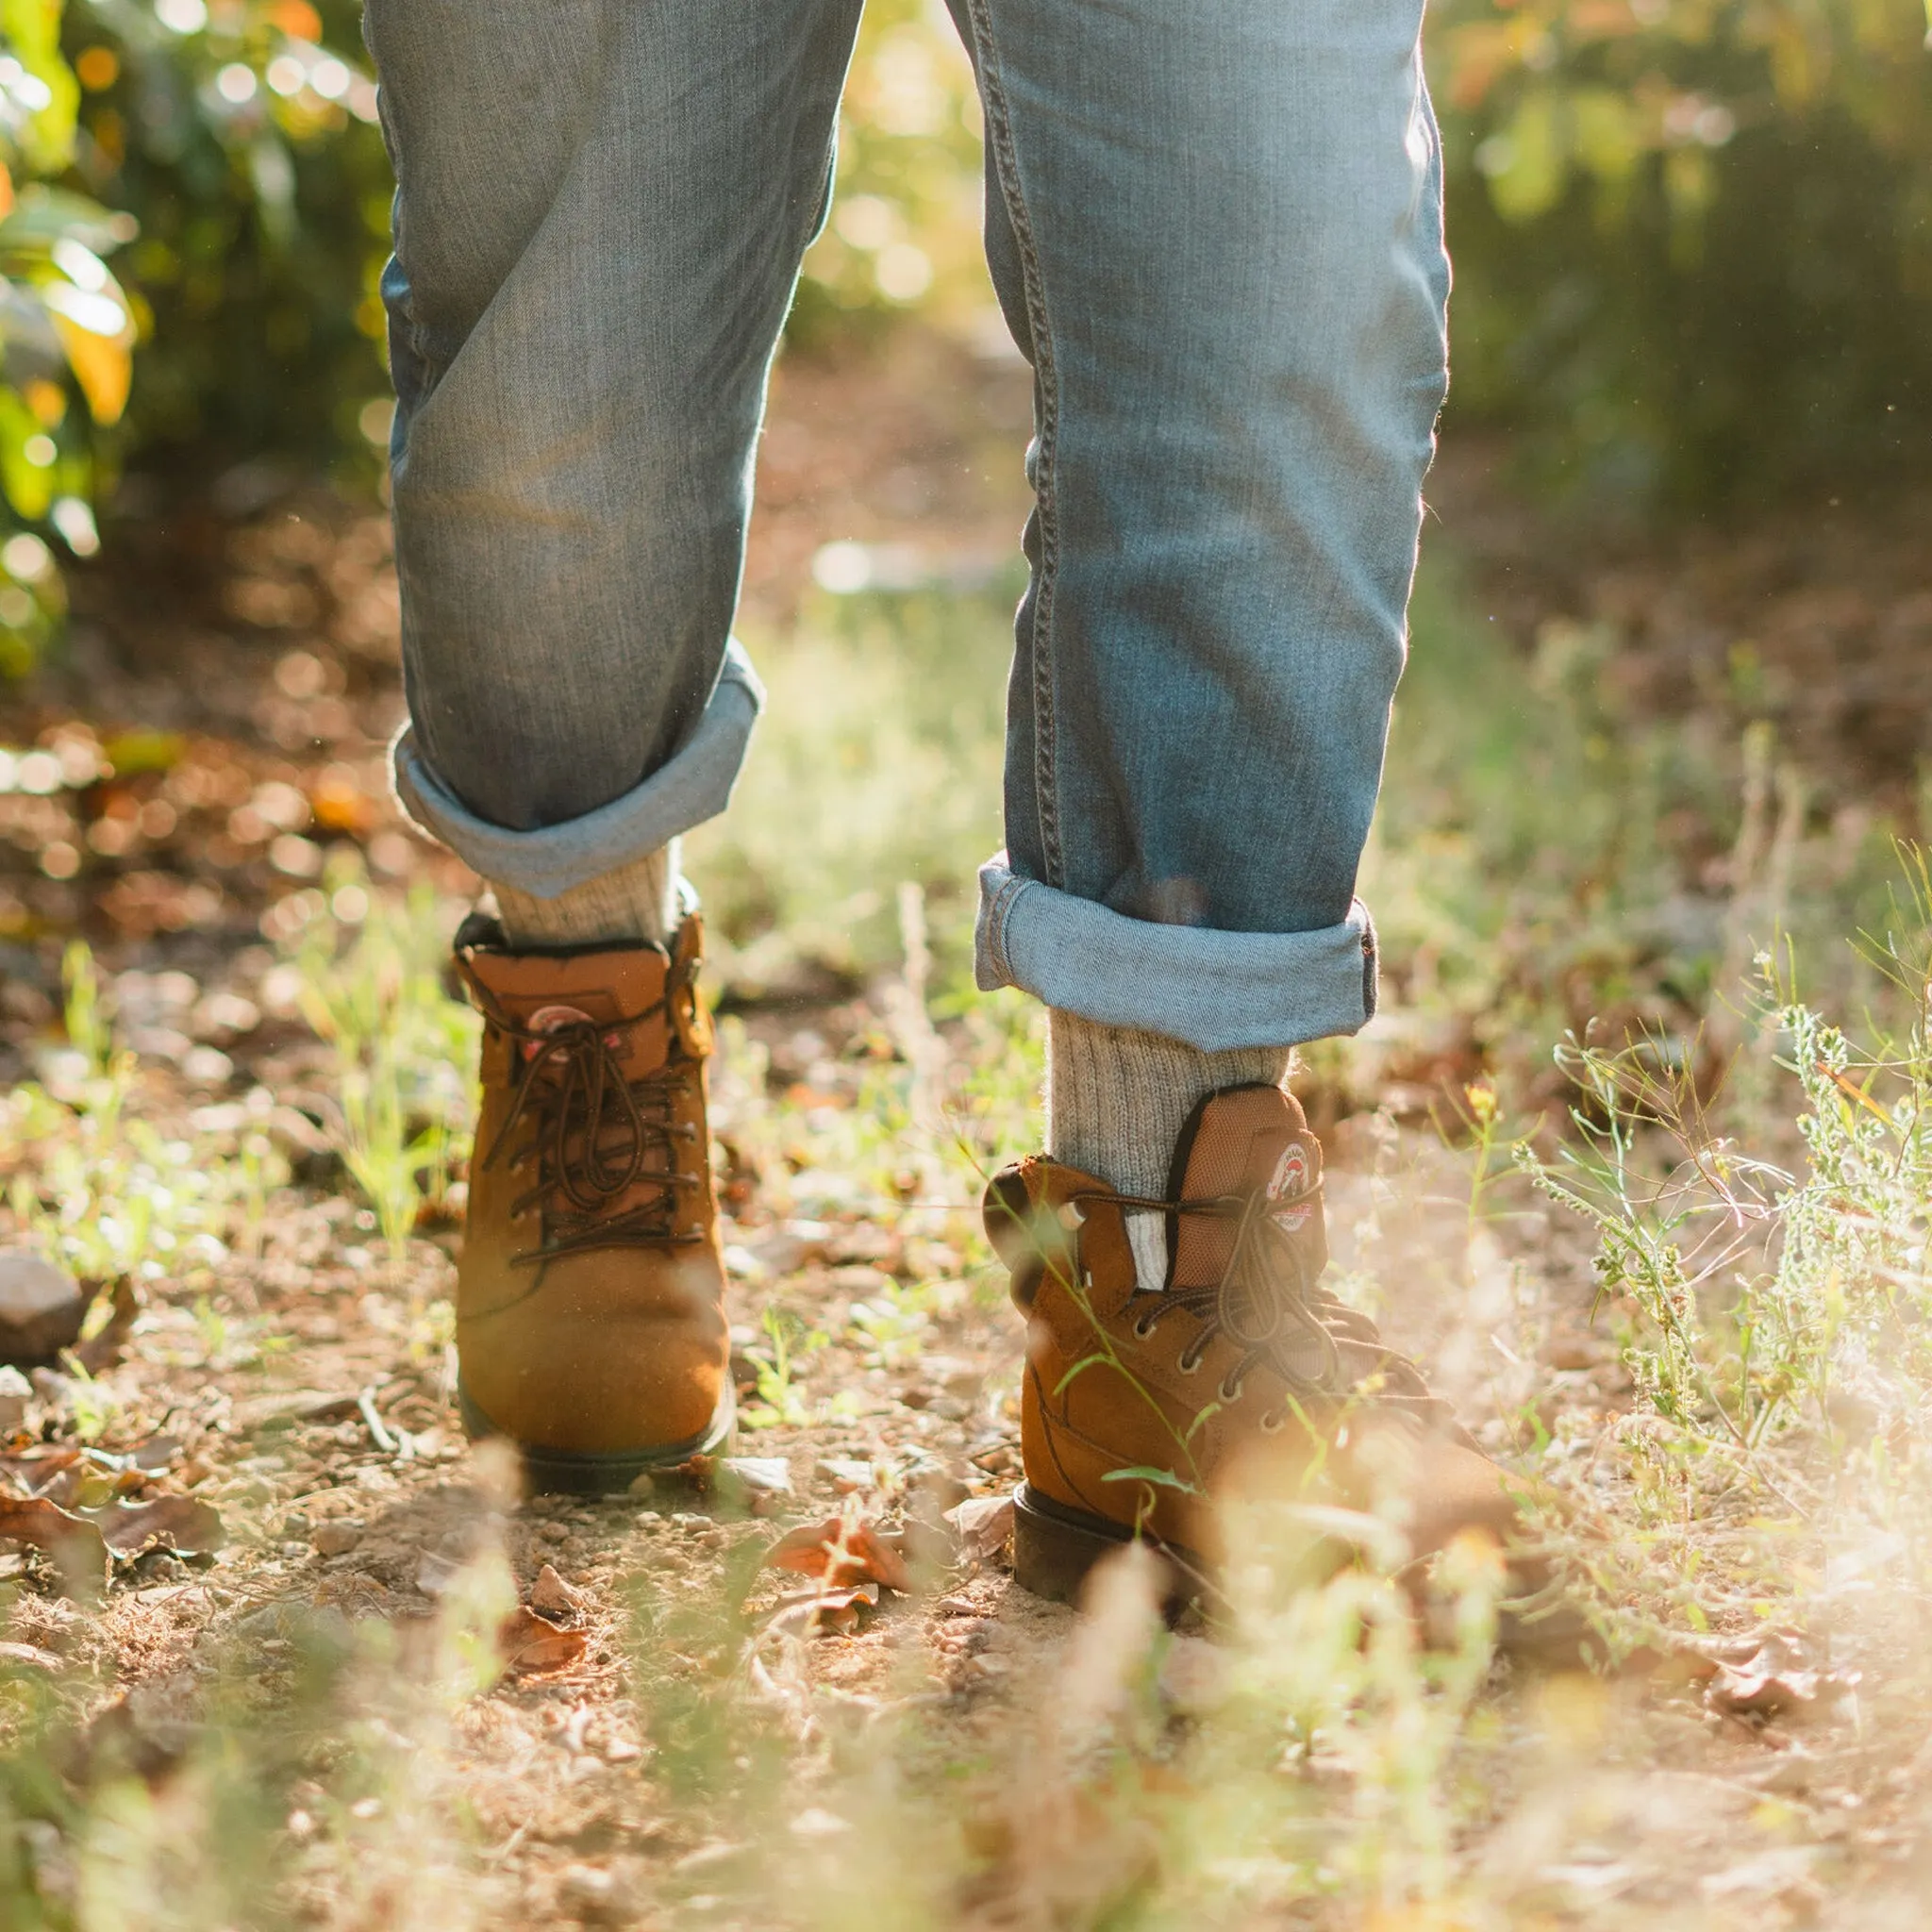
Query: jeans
column 1215, row 230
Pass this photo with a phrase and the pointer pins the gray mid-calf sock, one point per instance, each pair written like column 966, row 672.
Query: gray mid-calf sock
column 1117, row 1099
column 637, row 901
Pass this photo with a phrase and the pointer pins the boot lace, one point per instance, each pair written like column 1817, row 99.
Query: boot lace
column 1268, row 1304
column 592, row 1132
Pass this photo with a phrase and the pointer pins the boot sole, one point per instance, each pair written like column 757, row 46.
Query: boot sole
column 1057, row 1548
column 610, row 1473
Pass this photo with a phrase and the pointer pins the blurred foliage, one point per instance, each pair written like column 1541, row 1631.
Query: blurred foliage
column 239, row 137
column 904, row 230
column 1693, row 240
column 229, row 155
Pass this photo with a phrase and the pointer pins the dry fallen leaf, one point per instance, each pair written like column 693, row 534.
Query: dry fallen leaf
column 533, row 1646
column 1776, row 1679
column 984, row 1525
column 843, row 1554
column 47, row 1527
column 818, row 1611
column 56, row 1474
column 182, row 1524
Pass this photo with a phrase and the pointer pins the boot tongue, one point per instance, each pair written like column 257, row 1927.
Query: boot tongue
column 545, row 991
column 1242, row 1141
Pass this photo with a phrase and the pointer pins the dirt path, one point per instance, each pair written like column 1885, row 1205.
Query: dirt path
column 407, row 1697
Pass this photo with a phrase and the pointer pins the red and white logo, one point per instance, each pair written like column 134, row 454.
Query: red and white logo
column 1289, row 1183
column 549, row 1020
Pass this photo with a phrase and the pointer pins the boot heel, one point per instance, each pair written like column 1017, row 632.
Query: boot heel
column 574, row 1473
column 1052, row 1550
column 1055, row 1549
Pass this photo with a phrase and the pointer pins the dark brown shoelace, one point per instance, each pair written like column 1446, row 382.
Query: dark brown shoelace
column 1267, row 1304
column 593, row 1131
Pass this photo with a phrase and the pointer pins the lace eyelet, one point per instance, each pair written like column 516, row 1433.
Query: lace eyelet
column 1272, row 1423
column 1230, row 1390
column 1188, row 1366
column 1144, row 1327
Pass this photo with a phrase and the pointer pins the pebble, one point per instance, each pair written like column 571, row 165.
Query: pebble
column 16, row 1391
column 41, row 1307
column 552, row 1596
column 336, row 1538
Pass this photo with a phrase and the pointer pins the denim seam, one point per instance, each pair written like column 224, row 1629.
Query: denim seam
column 999, row 129
column 392, row 142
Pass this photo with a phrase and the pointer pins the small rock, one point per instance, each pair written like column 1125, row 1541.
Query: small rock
column 336, row 1538
column 815, row 1821
column 1573, row 1352
column 1194, row 1676
column 847, row 1473
column 551, row 1596
column 644, row 1485
column 766, row 1475
column 16, row 1391
column 54, row 1389
column 604, row 1895
column 29, row 1656
column 435, row 1572
column 742, row 1265
column 41, row 1307
column 586, row 1885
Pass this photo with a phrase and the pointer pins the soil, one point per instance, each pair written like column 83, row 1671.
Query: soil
column 217, row 726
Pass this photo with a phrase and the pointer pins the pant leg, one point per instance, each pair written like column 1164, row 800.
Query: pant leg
column 1216, row 229
column 599, row 210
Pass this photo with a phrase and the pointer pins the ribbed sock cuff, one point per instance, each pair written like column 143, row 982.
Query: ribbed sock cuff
column 632, row 902
column 1117, row 1099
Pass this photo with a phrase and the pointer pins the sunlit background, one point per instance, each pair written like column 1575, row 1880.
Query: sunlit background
column 1665, row 727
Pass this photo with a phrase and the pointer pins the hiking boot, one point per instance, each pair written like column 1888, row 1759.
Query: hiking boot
column 591, row 1328
column 1143, row 1413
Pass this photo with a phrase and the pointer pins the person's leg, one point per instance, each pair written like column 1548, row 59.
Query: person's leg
column 599, row 211
column 1216, row 232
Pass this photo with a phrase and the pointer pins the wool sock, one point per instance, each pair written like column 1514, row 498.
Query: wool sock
column 637, row 901
column 1116, row 1102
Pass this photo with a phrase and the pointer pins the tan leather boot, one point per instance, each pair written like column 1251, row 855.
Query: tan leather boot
column 1143, row 1413
column 589, row 1296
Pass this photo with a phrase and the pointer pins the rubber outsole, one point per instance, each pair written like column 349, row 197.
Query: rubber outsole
column 574, row 1473
column 1055, row 1549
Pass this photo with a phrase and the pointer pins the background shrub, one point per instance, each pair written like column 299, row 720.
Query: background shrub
column 1693, row 241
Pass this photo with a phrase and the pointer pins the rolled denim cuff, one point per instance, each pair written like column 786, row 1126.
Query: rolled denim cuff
column 692, row 785
column 1212, row 990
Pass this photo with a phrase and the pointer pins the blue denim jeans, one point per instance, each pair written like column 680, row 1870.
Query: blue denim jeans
column 1215, row 230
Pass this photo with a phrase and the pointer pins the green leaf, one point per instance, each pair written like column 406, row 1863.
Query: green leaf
column 42, row 216
column 33, row 27
column 1164, row 1478
column 1086, row 1361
